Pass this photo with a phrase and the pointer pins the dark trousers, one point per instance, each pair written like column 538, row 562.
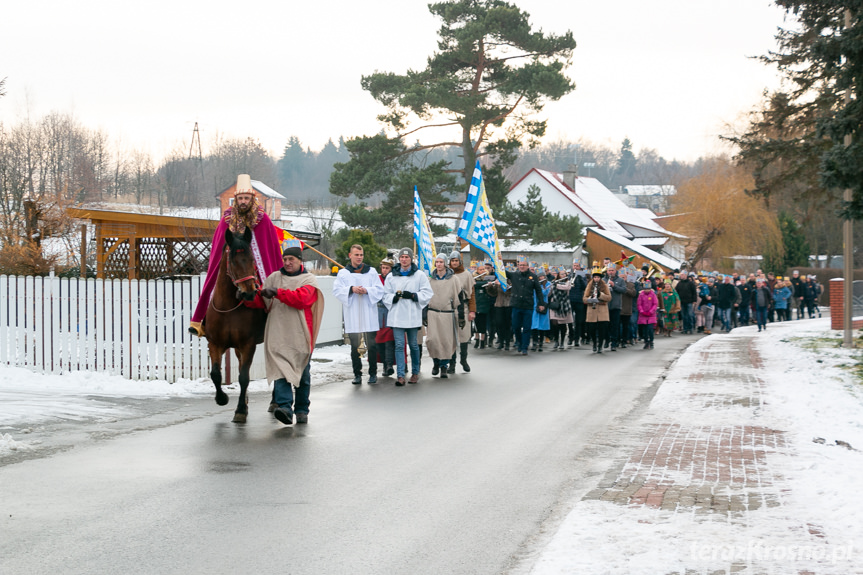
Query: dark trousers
column 521, row 321
column 597, row 331
column 579, row 314
column 283, row 393
column 503, row 324
column 744, row 314
column 647, row 330
column 624, row 328
column 481, row 322
column 387, row 351
column 614, row 326
column 371, row 352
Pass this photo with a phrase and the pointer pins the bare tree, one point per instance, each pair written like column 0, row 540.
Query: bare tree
column 720, row 218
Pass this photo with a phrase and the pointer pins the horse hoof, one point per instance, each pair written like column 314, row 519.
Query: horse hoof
column 222, row 398
column 239, row 418
column 272, row 407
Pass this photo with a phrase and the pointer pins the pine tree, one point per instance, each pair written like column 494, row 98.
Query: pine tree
column 797, row 141
column 490, row 77
column 626, row 161
column 529, row 219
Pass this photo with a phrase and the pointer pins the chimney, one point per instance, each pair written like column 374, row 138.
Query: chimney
column 569, row 176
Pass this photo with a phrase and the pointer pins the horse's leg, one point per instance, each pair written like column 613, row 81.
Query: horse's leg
column 216, row 372
column 244, row 356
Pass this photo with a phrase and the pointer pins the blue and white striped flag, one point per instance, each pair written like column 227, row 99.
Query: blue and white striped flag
column 426, row 252
column 477, row 224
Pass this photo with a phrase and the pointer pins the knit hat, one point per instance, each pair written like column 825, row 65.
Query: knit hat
column 406, row 252
column 292, row 248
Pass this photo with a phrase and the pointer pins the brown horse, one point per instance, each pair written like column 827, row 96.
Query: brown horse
column 229, row 323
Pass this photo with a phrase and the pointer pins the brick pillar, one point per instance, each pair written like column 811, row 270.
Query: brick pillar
column 837, row 303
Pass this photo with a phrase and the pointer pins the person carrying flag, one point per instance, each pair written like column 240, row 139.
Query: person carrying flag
column 465, row 283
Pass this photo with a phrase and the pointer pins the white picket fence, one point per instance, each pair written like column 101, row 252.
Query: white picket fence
column 133, row 328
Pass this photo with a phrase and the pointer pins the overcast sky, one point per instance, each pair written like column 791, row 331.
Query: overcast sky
column 668, row 74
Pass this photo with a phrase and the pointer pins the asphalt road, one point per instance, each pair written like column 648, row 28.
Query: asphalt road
column 466, row 475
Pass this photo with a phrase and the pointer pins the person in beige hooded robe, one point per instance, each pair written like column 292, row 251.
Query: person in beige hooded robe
column 295, row 305
column 466, row 283
column 441, row 318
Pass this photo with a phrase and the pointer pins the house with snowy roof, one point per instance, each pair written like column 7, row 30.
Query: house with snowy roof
column 268, row 198
column 611, row 225
column 652, row 197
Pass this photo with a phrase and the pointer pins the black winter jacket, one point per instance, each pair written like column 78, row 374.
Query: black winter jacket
column 687, row 291
column 524, row 286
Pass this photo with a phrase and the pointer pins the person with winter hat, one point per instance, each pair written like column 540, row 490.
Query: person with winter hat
column 648, row 303
column 465, row 281
column 295, row 306
column 596, row 297
column 442, row 317
column 384, row 340
column 406, row 292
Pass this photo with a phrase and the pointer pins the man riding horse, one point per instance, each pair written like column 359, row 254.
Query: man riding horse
column 266, row 247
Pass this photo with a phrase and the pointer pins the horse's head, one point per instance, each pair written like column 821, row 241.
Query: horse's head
column 241, row 263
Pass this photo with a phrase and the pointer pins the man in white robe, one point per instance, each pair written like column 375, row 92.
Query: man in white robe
column 359, row 288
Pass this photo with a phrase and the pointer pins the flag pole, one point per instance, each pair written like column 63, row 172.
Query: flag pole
column 325, row 255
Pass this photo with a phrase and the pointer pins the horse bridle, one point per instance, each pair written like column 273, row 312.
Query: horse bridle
column 238, row 281
column 234, row 281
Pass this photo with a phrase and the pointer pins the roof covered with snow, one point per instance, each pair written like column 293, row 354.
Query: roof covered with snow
column 630, row 245
column 650, row 190
column 267, row 190
column 591, row 199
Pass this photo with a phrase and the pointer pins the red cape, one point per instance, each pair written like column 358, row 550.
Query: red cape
column 268, row 245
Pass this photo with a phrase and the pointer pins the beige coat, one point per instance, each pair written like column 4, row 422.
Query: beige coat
column 288, row 342
column 600, row 311
column 466, row 283
column 442, row 338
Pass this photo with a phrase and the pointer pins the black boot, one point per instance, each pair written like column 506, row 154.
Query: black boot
column 476, row 342
column 464, row 364
column 451, row 367
column 482, row 344
column 436, row 367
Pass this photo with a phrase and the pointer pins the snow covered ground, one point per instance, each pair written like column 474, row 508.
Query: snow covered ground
column 28, row 399
column 810, row 522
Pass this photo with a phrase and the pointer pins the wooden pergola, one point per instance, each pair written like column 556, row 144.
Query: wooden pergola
column 145, row 246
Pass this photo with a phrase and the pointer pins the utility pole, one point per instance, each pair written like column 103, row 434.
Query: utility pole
column 195, row 153
column 848, row 240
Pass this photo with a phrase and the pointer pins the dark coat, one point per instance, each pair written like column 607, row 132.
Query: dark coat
column 687, row 291
column 524, row 285
column 725, row 295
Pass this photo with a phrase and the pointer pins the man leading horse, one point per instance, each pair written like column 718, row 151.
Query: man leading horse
column 246, row 213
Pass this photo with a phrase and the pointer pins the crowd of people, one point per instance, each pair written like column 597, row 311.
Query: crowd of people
column 606, row 308
column 390, row 315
